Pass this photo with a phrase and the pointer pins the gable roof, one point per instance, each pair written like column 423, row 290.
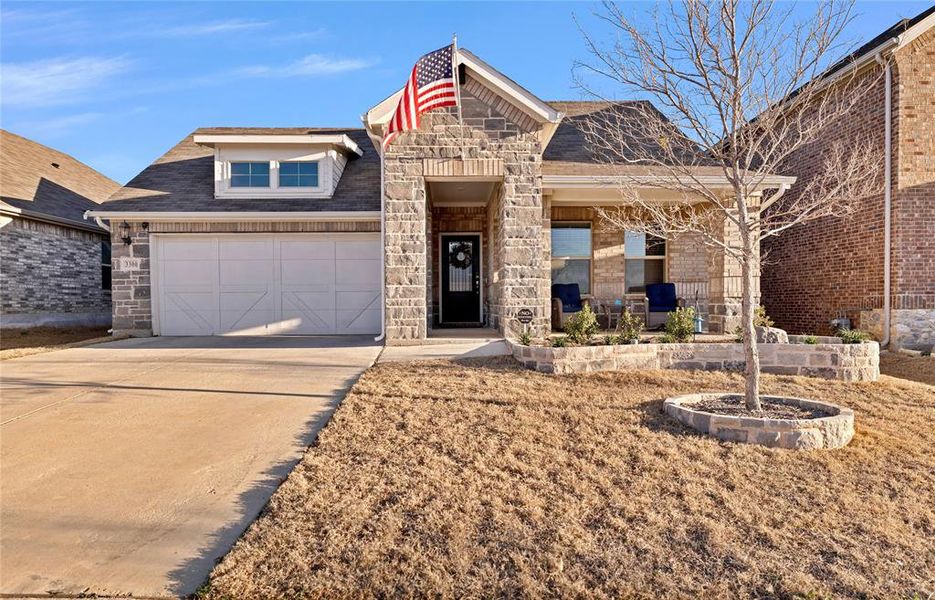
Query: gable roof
column 41, row 182
column 182, row 180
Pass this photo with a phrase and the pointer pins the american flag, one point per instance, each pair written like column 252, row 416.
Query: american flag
column 431, row 85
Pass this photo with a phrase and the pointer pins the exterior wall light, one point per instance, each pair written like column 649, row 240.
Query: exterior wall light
column 124, row 231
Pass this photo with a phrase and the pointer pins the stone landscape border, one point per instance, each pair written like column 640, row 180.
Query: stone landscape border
column 832, row 431
column 843, row 362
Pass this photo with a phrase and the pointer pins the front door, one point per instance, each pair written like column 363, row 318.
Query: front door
column 460, row 268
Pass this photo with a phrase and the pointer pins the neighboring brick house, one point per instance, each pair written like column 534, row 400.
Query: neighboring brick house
column 262, row 231
column 831, row 267
column 54, row 265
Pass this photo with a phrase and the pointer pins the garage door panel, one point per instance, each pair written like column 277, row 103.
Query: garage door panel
column 306, row 250
column 359, row 273
column 308, row 273
column 357, row 250
column 189, row 250
column 309, row 284
column 246, row 249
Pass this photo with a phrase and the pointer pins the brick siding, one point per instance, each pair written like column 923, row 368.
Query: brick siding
column 831, row 267
column 46, row 268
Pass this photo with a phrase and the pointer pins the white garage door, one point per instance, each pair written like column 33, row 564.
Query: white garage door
column 303, row 284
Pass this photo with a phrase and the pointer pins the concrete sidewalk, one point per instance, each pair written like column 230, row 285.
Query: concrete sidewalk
column 130, row 467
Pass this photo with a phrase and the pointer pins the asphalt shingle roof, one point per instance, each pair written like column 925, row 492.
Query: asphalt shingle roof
column 183, row 179
column 46, row 182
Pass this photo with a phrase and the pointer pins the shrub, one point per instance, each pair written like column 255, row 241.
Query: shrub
column 582, row 325
column 559, row 342
column 666, row 338
column 810, row 339
column 525, row 339
column 738, row 334
column 853, row 336
column 629, row 328
column 760, row 318
column 680, row 324
column 611, row 340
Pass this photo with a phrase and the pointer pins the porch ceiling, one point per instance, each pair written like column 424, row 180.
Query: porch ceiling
column 461, row 193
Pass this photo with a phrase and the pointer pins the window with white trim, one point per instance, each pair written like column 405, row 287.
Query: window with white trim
column 250, row 174
column 571, row 254
column 298, row 173
column 644, row 260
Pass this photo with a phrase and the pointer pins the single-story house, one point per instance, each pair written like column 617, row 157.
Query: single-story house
column 54, row 264
column 877, row 266
column 285, row 230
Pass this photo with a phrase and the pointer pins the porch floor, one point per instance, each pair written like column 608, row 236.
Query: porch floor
column 443, row 335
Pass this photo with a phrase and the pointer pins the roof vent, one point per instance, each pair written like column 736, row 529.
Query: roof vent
column 56, row 165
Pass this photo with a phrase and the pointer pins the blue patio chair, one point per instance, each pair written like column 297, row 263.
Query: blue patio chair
column 566, row 301
column 661, row 299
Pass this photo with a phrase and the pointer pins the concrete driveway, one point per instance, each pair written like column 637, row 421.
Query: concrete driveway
column 130, row 467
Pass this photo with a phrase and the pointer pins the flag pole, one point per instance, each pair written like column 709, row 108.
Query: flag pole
column 456, row 75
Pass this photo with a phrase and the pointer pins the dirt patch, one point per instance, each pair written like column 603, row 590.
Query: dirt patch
column 486, row 479
column 913, row 368
column 733, row 405
column 15, row 343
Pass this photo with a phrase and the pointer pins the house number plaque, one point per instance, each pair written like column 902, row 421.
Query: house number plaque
column 127, row 263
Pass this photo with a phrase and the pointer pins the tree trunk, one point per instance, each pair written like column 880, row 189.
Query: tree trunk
column 750, row 350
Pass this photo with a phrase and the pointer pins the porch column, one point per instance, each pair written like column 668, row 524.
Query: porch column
column 725, row 282
column 406, row 253
column 522, row 246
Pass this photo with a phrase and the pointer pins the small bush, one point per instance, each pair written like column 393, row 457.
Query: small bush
column 611, row 340
column 525, row 339
column 582, row 325
column 738, row 334
column 680, row 324
column 559, row 342
column 629, row 328
column 761, row 319
column 810, row 339
column 853, row 336
column 666, row 338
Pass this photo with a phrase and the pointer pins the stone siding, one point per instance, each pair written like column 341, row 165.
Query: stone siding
column 132, row 289
column 909, row 328
column 50, row 270
column 844, row 362
column 832, row 267
column 497, row 140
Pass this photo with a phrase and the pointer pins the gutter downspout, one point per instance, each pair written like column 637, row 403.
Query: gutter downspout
column 887, row 195
column 382, row 335
column 97, row 220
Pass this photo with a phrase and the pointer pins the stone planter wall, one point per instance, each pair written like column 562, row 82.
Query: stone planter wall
column 832, row 431
column 844, row 362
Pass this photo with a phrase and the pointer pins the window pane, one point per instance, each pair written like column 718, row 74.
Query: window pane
column 571, row 241
column 572, row 271
column 240, row 168
column 308, row 168
column 310, row 180
column 259, row 168
column 637, row 244
column 259, row 181
column 288, row 168
column 105, row 253
column 640, row 273
column 298, row 174
column 240, row 181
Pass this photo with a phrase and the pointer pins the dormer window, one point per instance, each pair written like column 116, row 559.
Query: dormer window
column 298, row 174
column 250, row 174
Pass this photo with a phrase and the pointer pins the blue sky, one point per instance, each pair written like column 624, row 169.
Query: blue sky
column 116, row 84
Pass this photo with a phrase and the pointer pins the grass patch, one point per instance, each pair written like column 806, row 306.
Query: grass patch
column 485, row 479
column 15, row 343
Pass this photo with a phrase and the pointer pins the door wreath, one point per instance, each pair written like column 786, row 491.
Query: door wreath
column 460, row 256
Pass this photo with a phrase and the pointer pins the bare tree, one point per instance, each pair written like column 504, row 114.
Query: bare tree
column 730, row 89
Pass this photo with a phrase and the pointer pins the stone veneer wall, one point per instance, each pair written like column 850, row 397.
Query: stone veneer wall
column 50, row 274
column 132, row 292
column 497, row 140
column 909, row 328
column 844, row 362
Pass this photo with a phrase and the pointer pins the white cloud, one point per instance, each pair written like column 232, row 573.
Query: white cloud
column 307, row 66
column 198, row 29
column 58, row 80
column 57, row 125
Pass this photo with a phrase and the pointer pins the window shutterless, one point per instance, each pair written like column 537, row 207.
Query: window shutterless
column 645, row 259
column 298, row 174
column 250, row 174
column 571, row 254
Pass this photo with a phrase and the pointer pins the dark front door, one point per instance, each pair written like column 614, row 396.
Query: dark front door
column 460, row 267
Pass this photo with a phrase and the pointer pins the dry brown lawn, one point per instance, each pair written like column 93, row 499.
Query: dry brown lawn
column 484, row 479
column 915, row 368
column 15, row 343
